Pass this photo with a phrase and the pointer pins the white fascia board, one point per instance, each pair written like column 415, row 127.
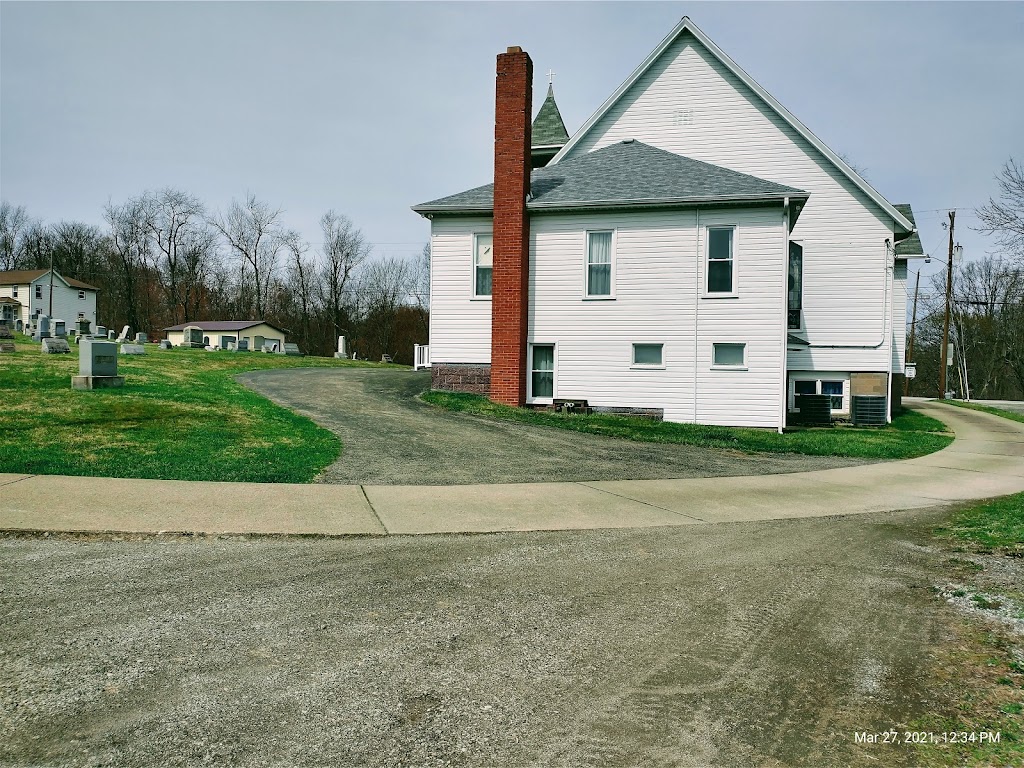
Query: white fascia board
column 685, row 25
column 45, row 279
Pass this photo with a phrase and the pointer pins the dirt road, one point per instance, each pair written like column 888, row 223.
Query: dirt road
column 390, row 438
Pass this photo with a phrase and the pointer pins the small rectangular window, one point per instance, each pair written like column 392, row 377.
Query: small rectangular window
column 39, row 291
column 720, row 259
column 81, row 294
column 835, row 389
column 483, row 264
column 729, row 354
column 599, row 264
column 647, row 354
column 14, row 292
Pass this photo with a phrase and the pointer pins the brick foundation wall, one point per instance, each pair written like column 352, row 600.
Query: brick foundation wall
column 511, row 270
column 461, row 377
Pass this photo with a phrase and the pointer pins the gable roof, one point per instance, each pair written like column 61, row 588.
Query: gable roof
column 26, row 276
column 548, row 129
column 627, row 174
column 685, row 25
column 223, row 325
column 911, row 245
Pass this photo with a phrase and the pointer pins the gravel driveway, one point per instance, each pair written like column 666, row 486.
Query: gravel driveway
column 751, row 644
column 391, row 438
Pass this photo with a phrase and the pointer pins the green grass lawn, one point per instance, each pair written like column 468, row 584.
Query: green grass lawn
column 911, row 434
column 1011, row 415
column 996, row 525
column 180, row 416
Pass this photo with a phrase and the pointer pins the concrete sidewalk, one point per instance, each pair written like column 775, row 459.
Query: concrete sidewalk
column 986, row 459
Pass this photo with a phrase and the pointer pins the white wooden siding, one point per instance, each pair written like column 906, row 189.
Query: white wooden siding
column 843, row 232
column 460, row 326
column 66, row 304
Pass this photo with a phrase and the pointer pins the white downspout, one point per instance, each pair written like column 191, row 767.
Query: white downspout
column 890, row 278
column 696, row 310
column 785, row 313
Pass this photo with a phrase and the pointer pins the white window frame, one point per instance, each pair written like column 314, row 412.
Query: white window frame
column 707, row 293
column 818, row 378
column 587, row 296
column 39, row 293
column 719, row 367
column 529, row 373
column 472, row 272
column 14, row 291
column 635, row 366
column 81, row 295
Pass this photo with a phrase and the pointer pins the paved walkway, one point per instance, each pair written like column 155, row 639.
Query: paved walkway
column 986, row 459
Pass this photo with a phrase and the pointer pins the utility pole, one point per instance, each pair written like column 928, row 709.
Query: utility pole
column 51, row 285
column 949, row 298
column 913, row 324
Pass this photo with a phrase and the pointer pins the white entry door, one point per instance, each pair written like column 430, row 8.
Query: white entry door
column 542, row 373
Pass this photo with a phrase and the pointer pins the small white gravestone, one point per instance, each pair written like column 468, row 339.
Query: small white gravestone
column 125, row 334
column 55, row 346
column 211, row 348
column 165, row 344
column 270, row 346
column 112, row 335
column 341, row 353
column 97, row 365
column 230, row 346
column 133, row 349
column 141, row 338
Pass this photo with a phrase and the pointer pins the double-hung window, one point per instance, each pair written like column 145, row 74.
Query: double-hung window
column 81, row 295
column 599, row 264
column 721, row 272
column 483, row 264
column 14, row 291
column 39, row 291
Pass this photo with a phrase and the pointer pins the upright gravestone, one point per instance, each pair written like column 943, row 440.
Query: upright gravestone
column 112, row 335
column 83, row 327
column 292, row 349
column 42, row 330
column 242, row 346
column 19, row 326
column 270, row 346
column 5, row 331
column 133, row 349
column 141, row 338
column 192, row 337
column 165, row 344
column 341, row 353
column 230, row 346
column 55, row 346
column 101, row 331
column 60, row 329
column 97, row 365
column 6, row 346
column 124, row 334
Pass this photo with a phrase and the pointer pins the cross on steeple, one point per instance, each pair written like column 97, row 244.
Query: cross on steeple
column 551, row 77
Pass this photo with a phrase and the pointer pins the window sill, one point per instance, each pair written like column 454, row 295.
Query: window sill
column 598, row 298
column 729, row 368
column 479, row 298
column 719, row 295
column 647, row 368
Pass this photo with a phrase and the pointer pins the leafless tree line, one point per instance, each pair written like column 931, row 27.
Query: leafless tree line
column 164, row 258
column 987, row 310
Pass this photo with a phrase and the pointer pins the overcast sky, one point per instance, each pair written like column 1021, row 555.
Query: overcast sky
column 369, row 108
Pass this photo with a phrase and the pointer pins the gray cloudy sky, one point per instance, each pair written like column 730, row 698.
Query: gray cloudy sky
column 369, row 108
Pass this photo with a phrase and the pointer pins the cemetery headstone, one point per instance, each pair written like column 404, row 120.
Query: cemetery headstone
column 6, row 346
column 292, row 349
column 42, row 329
column 192, row 337
column 124, row 334
column 60, row 329
column 141, row 338
column 112, row 335
column 5, row 332
column 243, row 345
column 101, row 331
column 165, row 344
column 210, row 348
column 97, row 365
column 19, row 326
column 230, row 346
column 83, row 326
column 55, row 346
column 133, row 349
column 341, row 353
column 270, row 346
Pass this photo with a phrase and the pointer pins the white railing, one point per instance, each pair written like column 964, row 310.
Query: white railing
column 421, row 356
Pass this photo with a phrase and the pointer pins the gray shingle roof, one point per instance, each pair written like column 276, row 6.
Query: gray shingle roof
column 626, row 174
column 548, row 128
column 223, row 325
column 910, row 246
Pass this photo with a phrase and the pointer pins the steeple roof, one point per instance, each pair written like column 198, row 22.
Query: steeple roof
column 548, row 128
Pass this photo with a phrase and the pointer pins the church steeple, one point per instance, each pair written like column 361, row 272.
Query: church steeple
column 549, row 134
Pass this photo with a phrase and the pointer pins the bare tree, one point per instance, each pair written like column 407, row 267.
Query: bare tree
column 173, row 218
column 344, row 249
column 301, row 272
column 1003, row 216
column 421, row 290
column 130, row 255
column 14, row 221
column 385, row 286
column 253, row 233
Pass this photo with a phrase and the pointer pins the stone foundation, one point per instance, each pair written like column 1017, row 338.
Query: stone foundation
column 656, row 414
column 461, row 377
column 868, row 384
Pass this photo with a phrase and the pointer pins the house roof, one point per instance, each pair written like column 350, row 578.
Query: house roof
column 223, row 325
column 909, row 246
column 26, row 276
column 548, row 129
column 684, row 26
column 12, row 302
column 626, row 174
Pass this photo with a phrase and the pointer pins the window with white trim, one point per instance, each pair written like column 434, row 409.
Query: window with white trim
column 648, row 355
column 14, row 291
column 720, row 260
column 483, row 264
column 39, row 291
column 81, row 295
column 834, row 388
column 542, row 372
column 729, row 355
column 599, row 264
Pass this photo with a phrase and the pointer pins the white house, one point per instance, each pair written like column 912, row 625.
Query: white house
column 219, row 333
column 692, row 250
column 26, row 294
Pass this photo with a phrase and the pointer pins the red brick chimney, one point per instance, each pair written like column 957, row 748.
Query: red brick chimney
column 510, row 293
